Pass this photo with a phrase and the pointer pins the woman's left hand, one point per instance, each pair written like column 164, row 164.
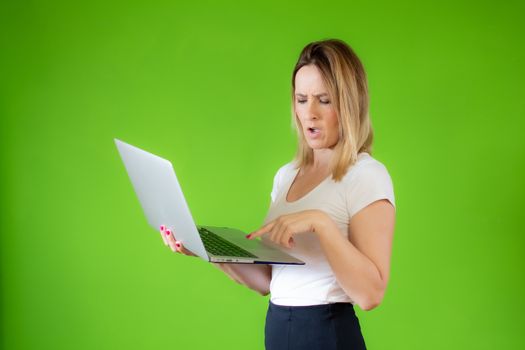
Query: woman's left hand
column 284, row 227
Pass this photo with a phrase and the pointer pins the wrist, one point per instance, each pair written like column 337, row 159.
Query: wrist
column 324, row 224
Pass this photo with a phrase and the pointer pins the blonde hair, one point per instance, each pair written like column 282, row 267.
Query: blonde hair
column 344, row 76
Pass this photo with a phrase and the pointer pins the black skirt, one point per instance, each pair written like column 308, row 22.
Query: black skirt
column 326, row 327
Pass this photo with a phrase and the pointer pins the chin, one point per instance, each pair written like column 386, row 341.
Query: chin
column 317, row 146
column 321, row 145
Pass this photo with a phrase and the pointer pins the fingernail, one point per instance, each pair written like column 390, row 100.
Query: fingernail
column 162, row 227
column 249, row 236
column 168, row 232
column 178, row 244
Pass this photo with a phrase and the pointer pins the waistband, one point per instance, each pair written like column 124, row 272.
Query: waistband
column 312, row 309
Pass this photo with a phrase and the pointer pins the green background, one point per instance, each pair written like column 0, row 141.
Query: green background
column 207, row 85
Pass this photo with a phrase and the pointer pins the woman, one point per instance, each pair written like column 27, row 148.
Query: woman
column 333, row 207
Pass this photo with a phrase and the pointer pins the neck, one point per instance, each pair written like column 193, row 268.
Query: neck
column 322, row 158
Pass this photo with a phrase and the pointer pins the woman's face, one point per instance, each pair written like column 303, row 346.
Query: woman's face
column 317, row 115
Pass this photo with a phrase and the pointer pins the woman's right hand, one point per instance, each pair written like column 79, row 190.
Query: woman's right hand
column 169, row 239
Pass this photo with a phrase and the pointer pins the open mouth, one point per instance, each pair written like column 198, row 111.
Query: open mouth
column 313, row 131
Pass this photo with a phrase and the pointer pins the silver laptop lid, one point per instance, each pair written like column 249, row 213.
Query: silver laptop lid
column 160, row 195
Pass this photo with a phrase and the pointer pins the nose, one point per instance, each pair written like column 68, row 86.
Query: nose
column 311, row 111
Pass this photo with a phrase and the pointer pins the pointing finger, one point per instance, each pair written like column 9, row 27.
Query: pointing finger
column 266, row 228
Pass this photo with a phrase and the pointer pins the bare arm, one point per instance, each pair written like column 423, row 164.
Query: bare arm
column 254, row 276
column 361, row 262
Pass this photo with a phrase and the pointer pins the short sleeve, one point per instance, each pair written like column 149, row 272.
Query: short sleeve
column 279, row 179
column 275, row 187
column 369, row 183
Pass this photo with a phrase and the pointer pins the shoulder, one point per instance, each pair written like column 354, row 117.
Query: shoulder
column 284, row 173
column 366, row 167
column 286, row 169
column 366, row 181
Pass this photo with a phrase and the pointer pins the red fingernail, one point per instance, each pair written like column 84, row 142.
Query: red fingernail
column 162, row 227
column 177, row 244
column 249, row 236
column 168, row 232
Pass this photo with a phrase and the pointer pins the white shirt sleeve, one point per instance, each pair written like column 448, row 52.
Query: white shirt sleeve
column 280, row 179
column 370, row 183
column 276, row 184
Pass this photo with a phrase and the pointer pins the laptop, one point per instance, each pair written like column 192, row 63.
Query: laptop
column 160, row 195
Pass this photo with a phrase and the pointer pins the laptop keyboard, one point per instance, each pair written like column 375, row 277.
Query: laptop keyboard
column 219, row 246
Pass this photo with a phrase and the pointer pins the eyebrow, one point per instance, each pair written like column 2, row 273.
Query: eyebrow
column 318, row 95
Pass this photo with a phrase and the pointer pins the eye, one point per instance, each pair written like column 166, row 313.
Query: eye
column 301, row 101
column 325, row 102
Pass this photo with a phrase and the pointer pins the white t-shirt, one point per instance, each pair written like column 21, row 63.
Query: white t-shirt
column 314, row 283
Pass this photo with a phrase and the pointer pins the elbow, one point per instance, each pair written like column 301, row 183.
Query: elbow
column 264, row 292
column 369, row 305
column 372, row 301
